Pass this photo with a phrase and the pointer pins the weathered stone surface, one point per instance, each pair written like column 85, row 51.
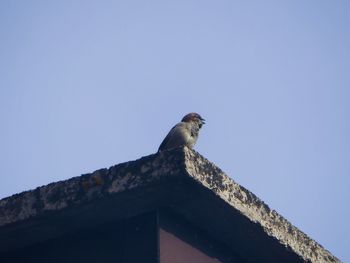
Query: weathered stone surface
column 176, row 179
column 255, row 209
column 88, row 187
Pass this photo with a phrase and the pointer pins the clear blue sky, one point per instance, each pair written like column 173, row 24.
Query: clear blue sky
column 88, row 84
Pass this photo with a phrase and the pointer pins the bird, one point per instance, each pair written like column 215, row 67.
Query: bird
column 185, row 133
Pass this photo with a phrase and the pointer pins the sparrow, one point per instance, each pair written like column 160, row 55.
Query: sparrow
column 185, row 133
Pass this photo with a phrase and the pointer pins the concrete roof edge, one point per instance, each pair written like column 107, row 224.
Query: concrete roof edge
column 249, row 205
column 80, row 190
column 151, row 170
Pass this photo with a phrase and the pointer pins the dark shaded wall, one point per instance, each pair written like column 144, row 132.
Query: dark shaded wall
column 148, row 238
column 130, row 241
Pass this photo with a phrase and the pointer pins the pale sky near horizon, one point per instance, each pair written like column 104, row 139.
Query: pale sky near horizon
column 89, row 84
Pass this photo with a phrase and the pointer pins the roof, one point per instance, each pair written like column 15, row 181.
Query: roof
column 180, row 180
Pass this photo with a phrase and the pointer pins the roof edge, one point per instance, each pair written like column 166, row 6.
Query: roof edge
column 252, row 207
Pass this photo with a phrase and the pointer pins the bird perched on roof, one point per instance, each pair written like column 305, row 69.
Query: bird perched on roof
column 185, row 133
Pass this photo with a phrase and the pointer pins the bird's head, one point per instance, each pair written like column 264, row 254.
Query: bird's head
column 194, row 117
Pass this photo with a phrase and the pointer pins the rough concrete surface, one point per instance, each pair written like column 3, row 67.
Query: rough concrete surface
column 255, row 209
column 153, row 169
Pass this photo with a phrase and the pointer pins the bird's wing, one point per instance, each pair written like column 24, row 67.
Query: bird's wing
column 174, row 137
column 166, row 139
